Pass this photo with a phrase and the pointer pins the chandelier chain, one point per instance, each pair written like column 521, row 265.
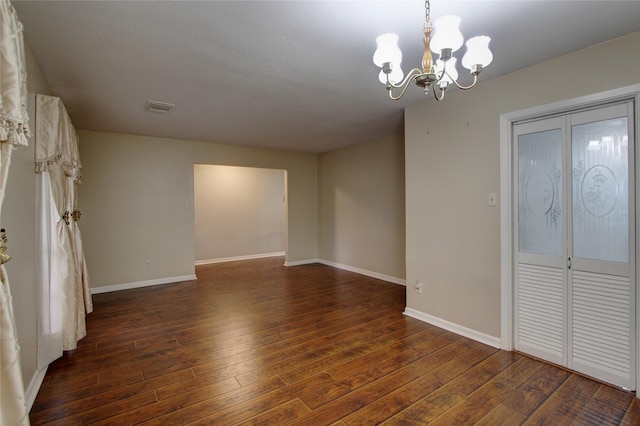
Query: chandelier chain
column 427, row 13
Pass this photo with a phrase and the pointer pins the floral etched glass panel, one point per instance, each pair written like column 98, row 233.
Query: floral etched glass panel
column 540, row 192
column 600, row 190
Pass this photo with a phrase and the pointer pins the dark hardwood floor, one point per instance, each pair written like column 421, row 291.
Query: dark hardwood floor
column 254, row 342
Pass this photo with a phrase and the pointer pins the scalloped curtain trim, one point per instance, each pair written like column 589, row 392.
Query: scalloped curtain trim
column 70, row 169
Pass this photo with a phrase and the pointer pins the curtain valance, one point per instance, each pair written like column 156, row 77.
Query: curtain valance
column 57, row 142
column 14, row 119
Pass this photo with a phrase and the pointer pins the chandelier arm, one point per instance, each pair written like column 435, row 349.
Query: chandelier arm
column 435, row 94
column 410, row 76
column 404, row 84
column 475, row 80
column 390, row 90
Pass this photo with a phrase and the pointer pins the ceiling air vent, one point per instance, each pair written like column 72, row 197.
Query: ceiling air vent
column 155, row 106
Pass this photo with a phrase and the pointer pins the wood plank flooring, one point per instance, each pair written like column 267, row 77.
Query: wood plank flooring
column 254, row 342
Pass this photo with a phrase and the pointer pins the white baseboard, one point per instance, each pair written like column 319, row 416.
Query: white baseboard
column 138, row 284
column 371, row 274
column 34, row 387
column 301, row 262
column 455, row 328
column 235, row 258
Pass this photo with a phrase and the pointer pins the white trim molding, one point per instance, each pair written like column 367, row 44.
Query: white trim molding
column 377, row 275
column 454, row 328
column 301, row 262
column 365, row 272
column 34, row 387
column 139, row 284
column 506, row 235
column 236, row 258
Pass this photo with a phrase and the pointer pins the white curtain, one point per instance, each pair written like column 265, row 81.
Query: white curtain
column 14, row 131
column 50, row 260
column 65, row 296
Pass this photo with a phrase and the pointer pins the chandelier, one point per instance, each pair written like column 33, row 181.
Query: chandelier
column 443, row 39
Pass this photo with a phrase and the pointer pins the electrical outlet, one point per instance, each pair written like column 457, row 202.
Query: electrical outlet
column 418, row 287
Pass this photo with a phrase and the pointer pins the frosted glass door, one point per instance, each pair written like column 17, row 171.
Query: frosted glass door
column 602, row 295
column 540, row 275
column 574, row 293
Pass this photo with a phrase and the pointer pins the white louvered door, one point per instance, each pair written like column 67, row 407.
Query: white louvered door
column 574, row 297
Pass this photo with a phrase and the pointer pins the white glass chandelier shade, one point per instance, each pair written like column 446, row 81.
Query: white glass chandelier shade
column 447, row 34
column 387, row 50
column 478, row 52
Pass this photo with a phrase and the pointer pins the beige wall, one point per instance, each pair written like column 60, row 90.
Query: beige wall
column 452, row 163
column 239, row 211
column 361, row 205
column 136, row 199
column 18, row 217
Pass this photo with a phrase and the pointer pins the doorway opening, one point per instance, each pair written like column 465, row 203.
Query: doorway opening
column 239, row 213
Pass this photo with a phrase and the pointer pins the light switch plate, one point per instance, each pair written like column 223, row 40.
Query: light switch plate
column 492, row 199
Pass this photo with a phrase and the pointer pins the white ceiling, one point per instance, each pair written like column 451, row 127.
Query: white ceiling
column 294, row 75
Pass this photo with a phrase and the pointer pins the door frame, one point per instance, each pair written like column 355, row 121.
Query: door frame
column 506, row 197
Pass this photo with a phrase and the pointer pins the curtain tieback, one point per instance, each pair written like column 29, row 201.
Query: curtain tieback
column 4, row 256
column 66, row 217
column 77, row 214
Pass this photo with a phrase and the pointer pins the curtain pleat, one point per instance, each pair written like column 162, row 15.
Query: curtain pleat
column 13, row 407
column 50, row 297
